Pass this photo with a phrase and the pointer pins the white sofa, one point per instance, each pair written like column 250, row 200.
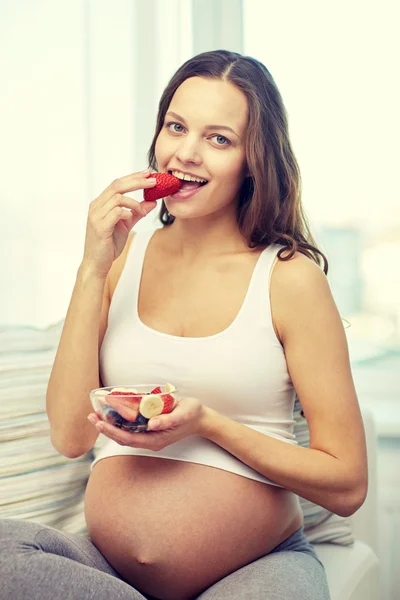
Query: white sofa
column 353, row 571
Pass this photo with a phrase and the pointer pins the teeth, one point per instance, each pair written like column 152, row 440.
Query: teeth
column 186, row 177
column 151, row 405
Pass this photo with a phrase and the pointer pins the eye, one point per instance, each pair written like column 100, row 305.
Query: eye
column 174, row 125
column 225, row 141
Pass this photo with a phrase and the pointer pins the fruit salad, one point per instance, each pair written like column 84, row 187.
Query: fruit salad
column 130, row 408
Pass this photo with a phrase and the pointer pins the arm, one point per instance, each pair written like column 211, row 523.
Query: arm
column 333, row 471
column 76, row 367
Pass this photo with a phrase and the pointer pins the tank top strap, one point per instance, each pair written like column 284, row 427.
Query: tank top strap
column 257, row 303
column 126, row 293
column 135, row 258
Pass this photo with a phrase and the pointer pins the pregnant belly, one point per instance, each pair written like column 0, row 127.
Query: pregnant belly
column 173, row 528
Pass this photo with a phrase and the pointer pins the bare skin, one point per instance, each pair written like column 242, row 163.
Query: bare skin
column 175, row 528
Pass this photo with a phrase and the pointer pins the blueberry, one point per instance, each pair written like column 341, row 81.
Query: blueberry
column 124, row 422
column 136, row 426
column 141, row 420
column 114, row 418
column 111, row 416
column 108, row 413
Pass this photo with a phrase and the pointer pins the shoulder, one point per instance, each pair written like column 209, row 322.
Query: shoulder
column 298, row 273
column 118, row 265
column 299, row 288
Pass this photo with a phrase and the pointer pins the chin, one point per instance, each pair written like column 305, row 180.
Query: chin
column 182, row 214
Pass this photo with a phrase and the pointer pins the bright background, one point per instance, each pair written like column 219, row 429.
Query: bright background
column 80, row 83
column 337, row 67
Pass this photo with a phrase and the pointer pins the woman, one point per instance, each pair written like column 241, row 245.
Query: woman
column 228, row 301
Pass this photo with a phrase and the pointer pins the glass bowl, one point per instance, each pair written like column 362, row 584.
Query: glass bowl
column 130, row 407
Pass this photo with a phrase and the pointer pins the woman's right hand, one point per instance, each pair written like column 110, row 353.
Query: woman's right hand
column 111, row 217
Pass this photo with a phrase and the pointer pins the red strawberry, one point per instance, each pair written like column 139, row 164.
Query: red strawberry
column 118, row 393
column 169, row 402
column 166, row 185
column 156, row 390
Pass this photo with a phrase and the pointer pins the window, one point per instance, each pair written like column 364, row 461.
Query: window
column 335, row 65
column 80, row 87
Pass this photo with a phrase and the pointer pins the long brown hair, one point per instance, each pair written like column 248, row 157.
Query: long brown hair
column 269, row 209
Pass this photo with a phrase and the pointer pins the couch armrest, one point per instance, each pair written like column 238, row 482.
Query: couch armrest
column 352, row 571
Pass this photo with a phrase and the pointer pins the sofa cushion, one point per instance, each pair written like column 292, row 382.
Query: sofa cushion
column 37, row 483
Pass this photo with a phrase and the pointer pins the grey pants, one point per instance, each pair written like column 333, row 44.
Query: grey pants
column 42, row 563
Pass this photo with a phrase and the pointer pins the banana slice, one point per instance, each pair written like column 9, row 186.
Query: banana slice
column 124, row 389
column 151, row 405
column 169, row 388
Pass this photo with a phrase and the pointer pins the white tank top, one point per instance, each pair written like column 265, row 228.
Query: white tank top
column 240, row 372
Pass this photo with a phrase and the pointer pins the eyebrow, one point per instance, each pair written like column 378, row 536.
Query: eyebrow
column 225, row 127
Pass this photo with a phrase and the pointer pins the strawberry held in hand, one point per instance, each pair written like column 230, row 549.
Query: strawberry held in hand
column 166, row 185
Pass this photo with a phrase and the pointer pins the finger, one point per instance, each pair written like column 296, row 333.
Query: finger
column 132, row 219
column 124, row 202
column 130, row 183
column 125, row 438
column 114, row 216
column 93, row 418
column 114, row 433
column 120, row 213
column 163, row 422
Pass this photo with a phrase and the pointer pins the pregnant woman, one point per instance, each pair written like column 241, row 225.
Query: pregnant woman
column 228, row 301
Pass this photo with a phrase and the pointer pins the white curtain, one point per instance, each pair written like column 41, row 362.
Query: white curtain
column 80, row 82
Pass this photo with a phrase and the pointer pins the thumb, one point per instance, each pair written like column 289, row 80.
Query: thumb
column 148, row 205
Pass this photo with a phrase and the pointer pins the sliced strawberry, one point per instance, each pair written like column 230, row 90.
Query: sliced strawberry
column 169, row 402
column 128, row 409
column 166, row 185
column 156, row 390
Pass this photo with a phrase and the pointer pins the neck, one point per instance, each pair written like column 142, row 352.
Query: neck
column 194, row 239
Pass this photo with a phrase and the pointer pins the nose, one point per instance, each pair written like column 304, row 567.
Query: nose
column 188, row 151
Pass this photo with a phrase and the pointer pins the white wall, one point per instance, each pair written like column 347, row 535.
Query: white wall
column 44, row 180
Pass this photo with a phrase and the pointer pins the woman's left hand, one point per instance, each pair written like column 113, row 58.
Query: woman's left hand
column 186, row 419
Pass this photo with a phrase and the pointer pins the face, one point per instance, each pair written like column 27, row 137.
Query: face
column 204, row 134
